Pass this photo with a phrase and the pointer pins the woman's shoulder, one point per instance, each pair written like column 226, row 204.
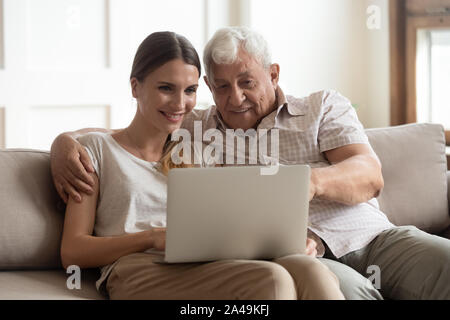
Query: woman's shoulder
column 94, row 138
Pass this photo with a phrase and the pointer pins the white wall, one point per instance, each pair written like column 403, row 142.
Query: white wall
column 65, row 64
column 377, row 110
column 61, row 58
column 326, row 44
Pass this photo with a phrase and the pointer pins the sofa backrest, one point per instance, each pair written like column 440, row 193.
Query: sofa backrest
column 415, row 175
column 31, row 213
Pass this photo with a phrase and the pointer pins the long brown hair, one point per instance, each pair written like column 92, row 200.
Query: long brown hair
column 166, row 159
column 157, row 49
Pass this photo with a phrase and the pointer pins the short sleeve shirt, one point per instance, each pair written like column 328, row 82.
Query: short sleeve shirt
column 307, row 127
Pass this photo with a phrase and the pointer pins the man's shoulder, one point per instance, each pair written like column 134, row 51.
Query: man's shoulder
column 206, row 116
column 318, row 97
column 316, row 100
column 202, row 113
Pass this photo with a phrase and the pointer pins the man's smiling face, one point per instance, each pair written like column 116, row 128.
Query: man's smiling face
column 244, row 91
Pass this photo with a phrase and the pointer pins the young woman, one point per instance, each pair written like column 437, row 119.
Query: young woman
column 120, row 227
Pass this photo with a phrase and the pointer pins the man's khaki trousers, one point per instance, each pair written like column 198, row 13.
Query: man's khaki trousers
column 402, row 263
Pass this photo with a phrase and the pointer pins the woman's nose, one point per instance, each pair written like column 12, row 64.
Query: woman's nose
column 178, row 102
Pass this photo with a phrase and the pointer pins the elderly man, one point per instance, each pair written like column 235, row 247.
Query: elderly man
column 322, row 130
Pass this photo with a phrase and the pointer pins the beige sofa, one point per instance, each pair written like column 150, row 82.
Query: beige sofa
column 31, row 214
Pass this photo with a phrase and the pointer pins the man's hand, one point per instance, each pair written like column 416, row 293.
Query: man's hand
column 312, row 185
column 70, row 164
column 311, row 247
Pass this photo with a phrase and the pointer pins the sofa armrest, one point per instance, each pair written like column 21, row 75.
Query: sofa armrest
column 446, row 233
column 448, row 190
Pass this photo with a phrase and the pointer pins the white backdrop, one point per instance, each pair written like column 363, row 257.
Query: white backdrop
column 65, row 64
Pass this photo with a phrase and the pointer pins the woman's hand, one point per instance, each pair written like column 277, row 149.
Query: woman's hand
column 158, row 238
column 311, row 247
column 70, row 164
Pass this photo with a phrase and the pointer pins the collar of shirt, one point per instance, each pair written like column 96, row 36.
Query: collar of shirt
column 295, row 108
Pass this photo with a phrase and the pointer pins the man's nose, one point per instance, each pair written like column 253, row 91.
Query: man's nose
column 237, row 96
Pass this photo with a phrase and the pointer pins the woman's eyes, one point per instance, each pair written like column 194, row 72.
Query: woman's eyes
column 165, row 88
column 191, row 90
column 168, row 89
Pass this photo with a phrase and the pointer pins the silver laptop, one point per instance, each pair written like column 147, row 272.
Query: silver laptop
column 236, row 213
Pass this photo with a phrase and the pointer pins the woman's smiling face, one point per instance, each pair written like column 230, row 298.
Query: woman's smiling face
column 167, row 94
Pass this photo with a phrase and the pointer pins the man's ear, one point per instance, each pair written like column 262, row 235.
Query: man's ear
column 207, row 83
column 134, row 87
column 275, row 74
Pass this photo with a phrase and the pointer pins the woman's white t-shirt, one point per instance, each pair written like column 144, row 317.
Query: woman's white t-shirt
column 133, row 192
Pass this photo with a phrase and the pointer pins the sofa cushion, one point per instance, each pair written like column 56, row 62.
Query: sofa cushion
column 30, row 222
column 448, row 188
column 415, row 175
column 47, row 285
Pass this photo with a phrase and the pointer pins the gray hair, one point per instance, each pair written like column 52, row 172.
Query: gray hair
column 223, row 48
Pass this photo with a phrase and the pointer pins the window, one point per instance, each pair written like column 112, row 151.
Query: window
column 433, row 76
column 420, row 64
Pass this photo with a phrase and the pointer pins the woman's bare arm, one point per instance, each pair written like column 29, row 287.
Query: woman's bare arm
column 79, row 247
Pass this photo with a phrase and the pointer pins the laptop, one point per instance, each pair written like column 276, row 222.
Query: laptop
column 222, row 213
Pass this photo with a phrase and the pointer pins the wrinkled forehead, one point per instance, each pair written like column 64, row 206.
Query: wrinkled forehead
column 245, row 65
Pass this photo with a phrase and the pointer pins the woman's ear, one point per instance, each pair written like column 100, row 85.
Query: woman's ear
column 134, row 87
column 275, row 74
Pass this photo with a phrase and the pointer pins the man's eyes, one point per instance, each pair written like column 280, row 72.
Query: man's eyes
column 243, row 84
column 222, row 86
